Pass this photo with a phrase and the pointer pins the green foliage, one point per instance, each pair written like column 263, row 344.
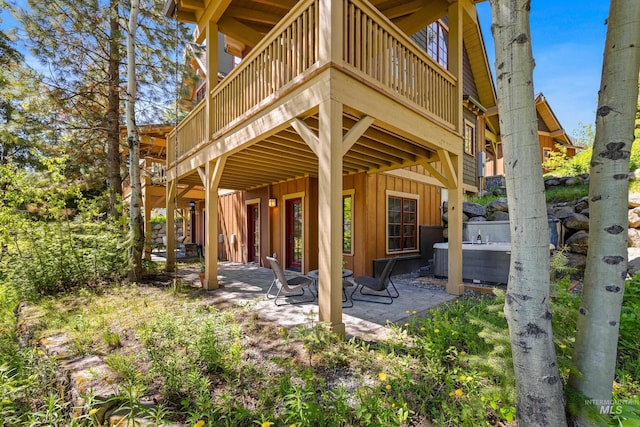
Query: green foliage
column 566, row 193
column 628, row 342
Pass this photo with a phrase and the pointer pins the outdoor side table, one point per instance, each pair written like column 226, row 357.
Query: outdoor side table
column 346, row 301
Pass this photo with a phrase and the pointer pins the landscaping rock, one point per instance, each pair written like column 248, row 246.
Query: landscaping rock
column 578, row 242
column 560, row 211
column 445, row 217
column 634, row 200
column 572, row 181
column 552, row 182
column 633, row 238
column 634, row 217
column 498, row 216
column 498, row 205
column 582, row 204
column 575, row 260
column 499, row 191
column 634, row 261
column 473, row 209
column 576, row 221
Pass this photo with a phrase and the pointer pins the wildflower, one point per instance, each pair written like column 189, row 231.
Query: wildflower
column 266, row 424
column 468, row 378
column 462, row 353
column 458, row 392
column 422, row 329
column 292, row 425
column 382, row 376
column 414, row 312
column 462, row 378
column 93, row 411
column 616, row 385
column 406, row 325
column 407, row 311
column 199, row 424
column 437, row 331
column 563, row 346
column 388, row 386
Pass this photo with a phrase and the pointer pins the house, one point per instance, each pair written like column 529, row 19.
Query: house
column 340, row 132
column 553, row 139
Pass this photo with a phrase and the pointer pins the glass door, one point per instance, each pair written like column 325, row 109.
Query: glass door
column 293, row 236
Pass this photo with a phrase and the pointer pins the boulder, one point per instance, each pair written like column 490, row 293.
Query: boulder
column 634, row 200
column 634, row 174
column 576, row 221
column 445, row 217
column 552, row 182
column 498, row 205
column 560, row 211
column 634, row 261
column 473, row 209
column 634, row 217
column 585, row 212
column 578, row 242
column 575, row 260
column 571, row 181
column 498, row 216
column 633, row 238
column 581, row 204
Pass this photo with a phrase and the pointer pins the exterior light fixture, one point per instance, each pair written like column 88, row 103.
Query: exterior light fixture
column 273, row 202
column 192, row 206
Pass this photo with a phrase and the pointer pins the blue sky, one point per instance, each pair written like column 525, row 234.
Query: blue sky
column 568, row 42
column 568, row 45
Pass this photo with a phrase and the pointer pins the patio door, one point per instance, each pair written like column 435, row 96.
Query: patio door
column 253, row 232
column 293, row 237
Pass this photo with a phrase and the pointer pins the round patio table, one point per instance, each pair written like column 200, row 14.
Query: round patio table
column 346, row 301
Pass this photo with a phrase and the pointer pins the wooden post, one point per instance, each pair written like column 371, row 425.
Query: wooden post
column 329, row 150
column 214, row 170
column 454, row 187
column 170, row 227
column 331, row 17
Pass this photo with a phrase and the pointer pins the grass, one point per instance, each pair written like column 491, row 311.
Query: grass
column 215, row 366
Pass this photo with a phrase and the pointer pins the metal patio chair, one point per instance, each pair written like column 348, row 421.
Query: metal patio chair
column 292, row 287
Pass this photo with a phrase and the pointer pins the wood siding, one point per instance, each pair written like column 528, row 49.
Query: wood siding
column 470, row 164
column 369, row 217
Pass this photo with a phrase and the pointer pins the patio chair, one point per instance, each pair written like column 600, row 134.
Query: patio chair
column 380, row 285
column 293, row 287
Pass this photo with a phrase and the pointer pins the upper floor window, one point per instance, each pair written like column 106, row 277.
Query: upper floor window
column 201, row 92
column 402, row 223
column 469, row 138
column 437, row 41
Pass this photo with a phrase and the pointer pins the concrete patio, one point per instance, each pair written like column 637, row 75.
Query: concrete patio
column 247, row 284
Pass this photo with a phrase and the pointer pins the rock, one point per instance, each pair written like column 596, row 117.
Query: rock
column 445, row 233
column 498, row 205
column 634, row 217
column 634, row 261
column 571, row 181
column 445, row 217
column 633, row 238
column 576, row 221
column 477, row 219
column 498, row 216
column 585, row 212
column 473, row 209
column 552, row 182
column 575, row 260
column 634, row 174
column 581, row 204
column 578, row 242
column 634, row 200
column 560, row 211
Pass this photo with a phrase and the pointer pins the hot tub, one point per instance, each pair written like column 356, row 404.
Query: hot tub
column 487, row 262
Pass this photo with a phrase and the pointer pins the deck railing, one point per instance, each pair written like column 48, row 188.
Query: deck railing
column 286, row 52
column 374, row 47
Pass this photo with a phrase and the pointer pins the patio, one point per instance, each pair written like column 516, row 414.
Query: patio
column 248, row 283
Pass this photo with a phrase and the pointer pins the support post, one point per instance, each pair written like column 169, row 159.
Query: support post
column 214, row 170
column 454, row 187
column 170, row 226
column 330, row 215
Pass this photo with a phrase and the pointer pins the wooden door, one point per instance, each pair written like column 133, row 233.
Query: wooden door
column 253, row 232
column 293, row 237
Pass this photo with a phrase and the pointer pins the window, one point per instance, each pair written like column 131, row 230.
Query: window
column 347, row 224
column 546, row 154
column 437, row 41
column 402, row 224
column 469, row 138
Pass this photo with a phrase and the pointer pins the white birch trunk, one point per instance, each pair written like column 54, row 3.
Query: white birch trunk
column 539, row 396
column 136, row 226
column 598, row 321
